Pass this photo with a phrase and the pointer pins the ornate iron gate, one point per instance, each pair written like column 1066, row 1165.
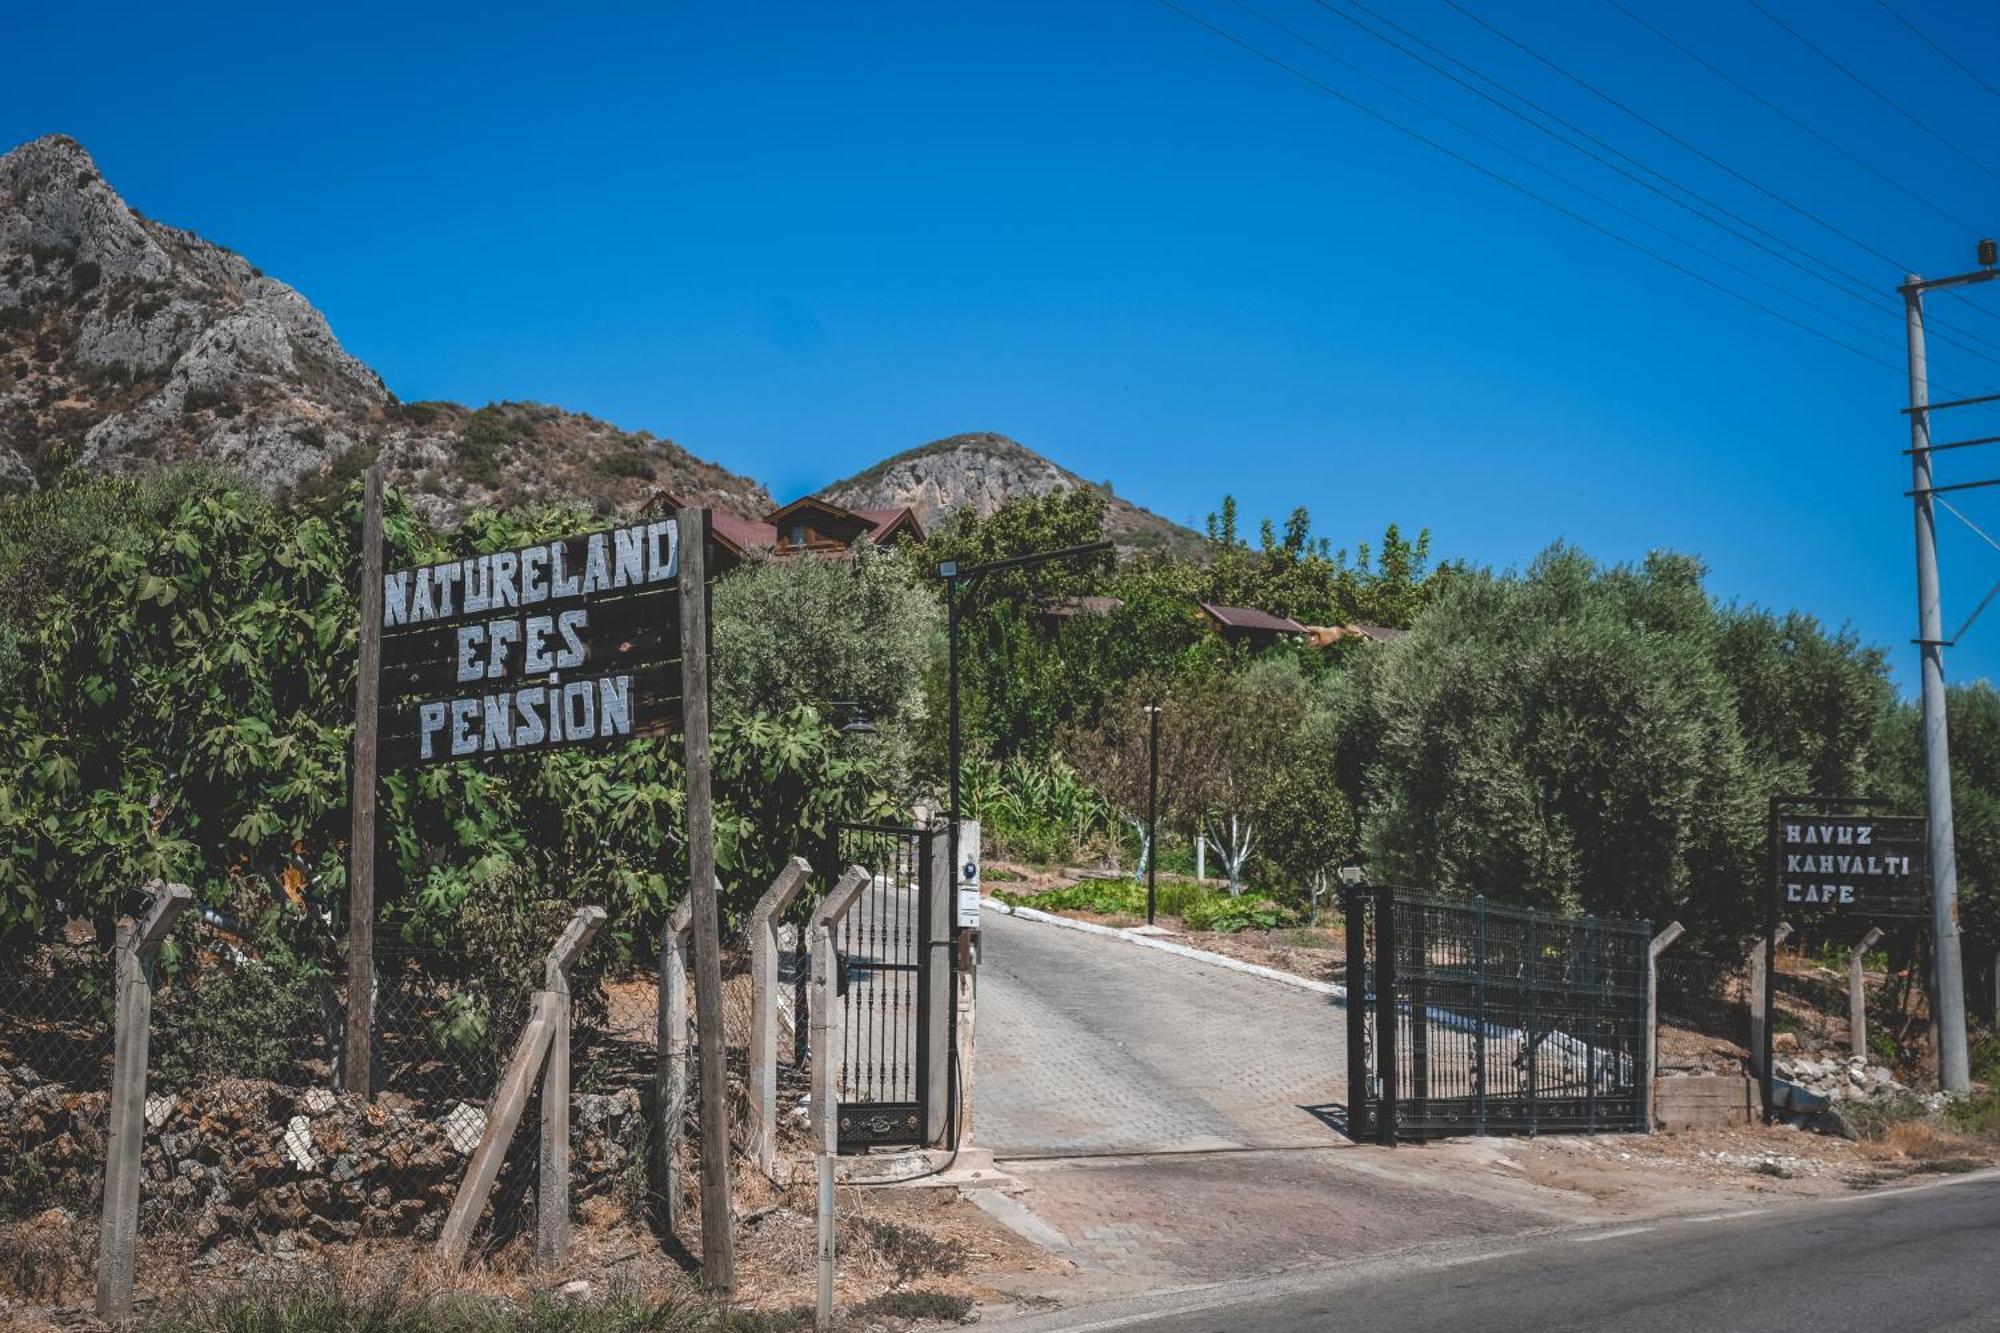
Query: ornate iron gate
column 885, row 984
column 1469, row 1018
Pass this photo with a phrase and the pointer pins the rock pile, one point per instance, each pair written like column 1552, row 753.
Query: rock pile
column 244, row 1157
column 1836, row 1079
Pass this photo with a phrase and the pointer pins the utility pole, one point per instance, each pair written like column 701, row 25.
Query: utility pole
column 1948, row 989
column 1152, row 812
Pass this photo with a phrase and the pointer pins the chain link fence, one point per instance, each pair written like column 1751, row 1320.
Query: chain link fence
column 1704, row 1009
column 55, row 1066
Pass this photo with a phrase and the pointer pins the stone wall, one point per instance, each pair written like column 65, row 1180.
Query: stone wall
column 253, row 1159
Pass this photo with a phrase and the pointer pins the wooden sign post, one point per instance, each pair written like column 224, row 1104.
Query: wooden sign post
column 718, row 1260
column 359, row 1054
column 594, row 638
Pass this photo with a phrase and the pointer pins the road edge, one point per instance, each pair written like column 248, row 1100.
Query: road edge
column 1224, row 961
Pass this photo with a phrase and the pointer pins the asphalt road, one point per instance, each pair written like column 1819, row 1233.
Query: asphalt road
column 1922, row 1259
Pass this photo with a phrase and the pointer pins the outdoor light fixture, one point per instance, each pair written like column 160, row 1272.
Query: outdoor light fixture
column 1351, row 874
column 1989, row 254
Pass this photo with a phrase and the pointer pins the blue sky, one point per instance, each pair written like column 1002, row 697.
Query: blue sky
column 796, row 238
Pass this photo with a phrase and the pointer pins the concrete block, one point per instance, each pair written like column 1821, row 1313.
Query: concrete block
column 1705, row 1101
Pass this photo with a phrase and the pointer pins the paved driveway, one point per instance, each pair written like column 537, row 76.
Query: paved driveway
column 1089, row 1046
column 1168, row 1120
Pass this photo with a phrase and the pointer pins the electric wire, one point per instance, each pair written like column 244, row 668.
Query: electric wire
column 1855, row 286
column 1586, row 191
column 1879, row 95
column 1670, row 135
column 1503, row 179
column 1944, row 330
column 1926, row 39
column 1791, row 119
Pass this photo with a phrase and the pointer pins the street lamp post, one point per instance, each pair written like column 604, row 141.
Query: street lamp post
column 953, row 575
column 1152, row 812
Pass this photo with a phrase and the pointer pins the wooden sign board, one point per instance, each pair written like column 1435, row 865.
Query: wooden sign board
column 567, row 642
column 1866, row 867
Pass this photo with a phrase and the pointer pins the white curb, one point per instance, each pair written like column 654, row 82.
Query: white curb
column 1168, row 946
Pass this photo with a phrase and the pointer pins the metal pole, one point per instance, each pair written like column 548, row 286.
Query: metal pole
column 953, row 758
column 1954, row 1074
column 1153, row 814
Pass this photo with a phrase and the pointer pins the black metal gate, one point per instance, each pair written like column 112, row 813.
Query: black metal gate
column 1469, row 1018
column 885, row 1064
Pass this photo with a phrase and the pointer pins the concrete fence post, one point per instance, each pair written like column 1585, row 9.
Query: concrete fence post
column 763, row 938
column 1760, row 984
column 825, row 1054
column 670, row 1078
column 552, row 1190
column 1658, row 946
column 825, row 1005
column 118, row 1226
column 1857, row 996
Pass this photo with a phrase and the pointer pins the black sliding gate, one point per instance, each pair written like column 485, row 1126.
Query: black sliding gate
column 1468, row 1018
column 885, row 1065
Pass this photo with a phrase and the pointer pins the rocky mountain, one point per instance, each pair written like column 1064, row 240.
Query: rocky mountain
column 126, row 344
column 982, row 471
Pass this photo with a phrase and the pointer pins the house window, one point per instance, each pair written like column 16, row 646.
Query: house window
column 798, row 534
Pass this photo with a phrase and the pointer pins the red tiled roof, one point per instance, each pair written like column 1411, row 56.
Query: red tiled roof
column 744, row 534
column 1249, row 617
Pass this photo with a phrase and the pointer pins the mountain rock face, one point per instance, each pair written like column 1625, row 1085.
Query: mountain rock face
column 982, row 471
column 127, row 345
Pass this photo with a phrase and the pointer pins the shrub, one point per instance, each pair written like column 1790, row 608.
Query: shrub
column 1229, row 915
column 624, row 463
column 1976, row 1114
column 1039, row 811
column 1872, row 1118
column 1197, row 906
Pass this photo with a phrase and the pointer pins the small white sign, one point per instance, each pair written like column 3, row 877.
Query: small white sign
column 968, row 874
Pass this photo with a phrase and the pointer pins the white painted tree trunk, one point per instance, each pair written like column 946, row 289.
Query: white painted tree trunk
column 1145, row 849
column 1235, row 852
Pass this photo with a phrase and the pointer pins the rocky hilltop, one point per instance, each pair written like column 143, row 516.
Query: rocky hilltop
column 982, row 471
column 126, row 345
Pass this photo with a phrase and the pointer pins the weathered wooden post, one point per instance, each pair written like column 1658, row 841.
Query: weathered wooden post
column 358, row 1057
column 1760, row 994
column 670, row 1071
column 718, row 1255
column 763, row 935
column 118, row 1229
column 1857, row 997
column 826, row 1044
column 503, row 1117
column 552, row 1193
column 1658, row 946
